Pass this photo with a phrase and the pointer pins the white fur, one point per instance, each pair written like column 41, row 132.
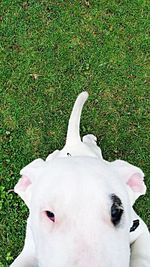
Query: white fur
column 76, row 184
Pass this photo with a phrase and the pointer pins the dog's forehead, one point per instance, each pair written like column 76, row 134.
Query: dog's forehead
column 77, row 169
column 75, row 176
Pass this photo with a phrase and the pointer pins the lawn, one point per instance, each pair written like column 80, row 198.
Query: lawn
column 50, row 52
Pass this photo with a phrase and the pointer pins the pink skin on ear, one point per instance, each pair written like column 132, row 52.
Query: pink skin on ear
column 29, row 173
column 23, row 183
column 23, row 189
column 136, row 183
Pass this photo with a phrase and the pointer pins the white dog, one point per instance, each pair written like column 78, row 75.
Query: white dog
column 80, row 207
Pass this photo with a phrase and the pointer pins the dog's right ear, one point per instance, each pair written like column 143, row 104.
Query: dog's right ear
column 29, row 175
column 132, row 176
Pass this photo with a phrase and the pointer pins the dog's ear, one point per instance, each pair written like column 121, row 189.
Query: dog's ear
column 29, row 175
column 133, row 178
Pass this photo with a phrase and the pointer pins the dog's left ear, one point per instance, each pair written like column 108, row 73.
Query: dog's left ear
column 29, row 175
column 133, row 178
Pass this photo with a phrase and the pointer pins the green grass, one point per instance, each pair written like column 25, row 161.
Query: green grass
column 50, row 52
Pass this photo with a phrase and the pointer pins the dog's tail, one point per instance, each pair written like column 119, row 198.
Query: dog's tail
column 73, row 133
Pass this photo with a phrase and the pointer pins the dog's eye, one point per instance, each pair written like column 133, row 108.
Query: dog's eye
column 116, row 213
column 50, row 215
column 116, row 210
